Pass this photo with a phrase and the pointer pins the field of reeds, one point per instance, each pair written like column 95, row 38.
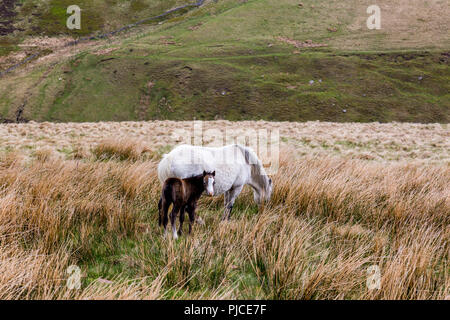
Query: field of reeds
column 347, row 197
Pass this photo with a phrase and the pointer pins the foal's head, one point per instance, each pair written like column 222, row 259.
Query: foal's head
column 209, row 182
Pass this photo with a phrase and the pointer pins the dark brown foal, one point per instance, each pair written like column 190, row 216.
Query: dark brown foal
column 184, row 195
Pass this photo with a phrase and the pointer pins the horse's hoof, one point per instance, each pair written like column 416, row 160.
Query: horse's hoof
column 200, row 221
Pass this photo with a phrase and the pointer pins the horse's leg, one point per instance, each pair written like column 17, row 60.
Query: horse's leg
column 233, row 193
column 173, row 217
column 226, row 198
column 180, row 231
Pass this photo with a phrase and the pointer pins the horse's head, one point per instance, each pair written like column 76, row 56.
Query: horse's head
column 209, row 182
column 265, row 193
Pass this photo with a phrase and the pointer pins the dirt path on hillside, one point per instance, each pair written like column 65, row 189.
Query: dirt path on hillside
column 14, row 60
column 58, row 47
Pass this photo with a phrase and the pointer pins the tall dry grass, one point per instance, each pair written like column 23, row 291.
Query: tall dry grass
column 121, row 149
column 328, row 221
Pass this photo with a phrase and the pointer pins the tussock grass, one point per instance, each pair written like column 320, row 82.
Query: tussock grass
column 329, row 220
column 427, row 143
column 44, row 154
column 122, row 149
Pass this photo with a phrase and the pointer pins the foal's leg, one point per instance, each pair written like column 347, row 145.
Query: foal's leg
column 191, row 211
column 180, row 231
column 233, row 193
column 226, row 198
column 173, row 217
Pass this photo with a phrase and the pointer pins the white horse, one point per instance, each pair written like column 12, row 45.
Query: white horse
column 235, row 166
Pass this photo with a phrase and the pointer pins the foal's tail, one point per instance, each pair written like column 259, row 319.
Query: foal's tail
column 160, row 212
column 164, row 203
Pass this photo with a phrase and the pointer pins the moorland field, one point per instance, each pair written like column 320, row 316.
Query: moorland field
column 346, row 197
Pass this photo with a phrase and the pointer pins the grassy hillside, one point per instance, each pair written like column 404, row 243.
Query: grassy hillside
column 21, row 19
column 48, row 17
column 260, row 59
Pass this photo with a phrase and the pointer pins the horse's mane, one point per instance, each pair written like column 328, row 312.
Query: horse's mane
column 257, row 169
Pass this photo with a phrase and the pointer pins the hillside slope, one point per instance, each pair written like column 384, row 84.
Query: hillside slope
column 238, row 60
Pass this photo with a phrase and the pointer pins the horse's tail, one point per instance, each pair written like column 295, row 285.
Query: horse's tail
column 164, row 170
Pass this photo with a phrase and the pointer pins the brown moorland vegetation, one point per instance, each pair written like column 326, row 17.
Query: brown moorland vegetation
column 69, row 197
